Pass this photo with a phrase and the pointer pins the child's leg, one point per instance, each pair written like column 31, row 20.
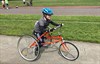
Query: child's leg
column 3, row 4
column 41, row 40
column 7, row 6
column 30, row 2
column 23, row 1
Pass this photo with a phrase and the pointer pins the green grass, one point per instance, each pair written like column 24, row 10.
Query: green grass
column 66, row 2
column 81, row 28
column 58, row 3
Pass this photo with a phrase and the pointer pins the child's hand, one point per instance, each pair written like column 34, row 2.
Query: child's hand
column 61, row 25
column 51, row 30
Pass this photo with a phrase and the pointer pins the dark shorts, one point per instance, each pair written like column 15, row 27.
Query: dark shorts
column 38, row 35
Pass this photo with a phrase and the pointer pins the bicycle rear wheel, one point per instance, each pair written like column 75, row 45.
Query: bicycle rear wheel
column 24, row 49
column 69, row 51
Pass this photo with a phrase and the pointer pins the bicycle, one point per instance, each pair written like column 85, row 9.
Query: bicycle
column 27, row 45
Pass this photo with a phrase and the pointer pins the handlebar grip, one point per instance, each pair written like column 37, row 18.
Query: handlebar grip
column 62, row 24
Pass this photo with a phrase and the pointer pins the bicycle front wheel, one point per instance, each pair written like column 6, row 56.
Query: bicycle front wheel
column 25, row 49
column 69, row 51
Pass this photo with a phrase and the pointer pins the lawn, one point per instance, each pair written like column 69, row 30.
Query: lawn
column 81, row 28
column 57, row 3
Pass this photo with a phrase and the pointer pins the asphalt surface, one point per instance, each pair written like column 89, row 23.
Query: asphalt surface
column 67, row 10
column 89, row 53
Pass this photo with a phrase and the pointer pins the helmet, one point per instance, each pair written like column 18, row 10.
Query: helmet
column 47, row 11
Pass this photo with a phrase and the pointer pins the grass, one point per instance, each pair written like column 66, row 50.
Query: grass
column 81, row 28
column 57, row 3
column 66, row 2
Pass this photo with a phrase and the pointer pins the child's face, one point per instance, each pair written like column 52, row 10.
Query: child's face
column 48, row 17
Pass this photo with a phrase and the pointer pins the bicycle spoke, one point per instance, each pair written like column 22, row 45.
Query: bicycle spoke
column 69, row 54
column 24, row 52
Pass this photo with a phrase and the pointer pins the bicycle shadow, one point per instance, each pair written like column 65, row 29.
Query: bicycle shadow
column 44, row 49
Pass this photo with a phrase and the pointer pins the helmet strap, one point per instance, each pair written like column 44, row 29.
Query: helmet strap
column 44, row 15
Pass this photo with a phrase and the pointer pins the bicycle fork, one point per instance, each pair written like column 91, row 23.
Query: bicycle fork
column 64, row 47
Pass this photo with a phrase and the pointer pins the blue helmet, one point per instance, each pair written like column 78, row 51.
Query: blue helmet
column 47, row 11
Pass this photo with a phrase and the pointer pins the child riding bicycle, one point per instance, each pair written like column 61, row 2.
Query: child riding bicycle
column 43, row 23
column 29, row 46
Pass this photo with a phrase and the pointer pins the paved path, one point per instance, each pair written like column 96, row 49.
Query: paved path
column 67, row 10
column 89, row 53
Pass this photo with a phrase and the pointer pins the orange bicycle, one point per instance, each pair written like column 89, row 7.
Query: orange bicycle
column 28, row 44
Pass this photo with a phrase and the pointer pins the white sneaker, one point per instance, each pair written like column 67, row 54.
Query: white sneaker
column 7, row 8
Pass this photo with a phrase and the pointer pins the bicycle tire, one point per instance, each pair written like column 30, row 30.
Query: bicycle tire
column 26, row 41
column 71, row 53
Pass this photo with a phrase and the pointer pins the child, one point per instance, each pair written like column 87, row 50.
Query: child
column 43, row 23
column 3, row 4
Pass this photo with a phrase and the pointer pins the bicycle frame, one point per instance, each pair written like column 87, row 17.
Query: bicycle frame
column 55, row 39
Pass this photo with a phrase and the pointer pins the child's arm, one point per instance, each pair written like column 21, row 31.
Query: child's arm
column 53, row 23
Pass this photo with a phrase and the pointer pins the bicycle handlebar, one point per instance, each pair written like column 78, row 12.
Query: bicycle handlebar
column 50, row 30
column 58, row 26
